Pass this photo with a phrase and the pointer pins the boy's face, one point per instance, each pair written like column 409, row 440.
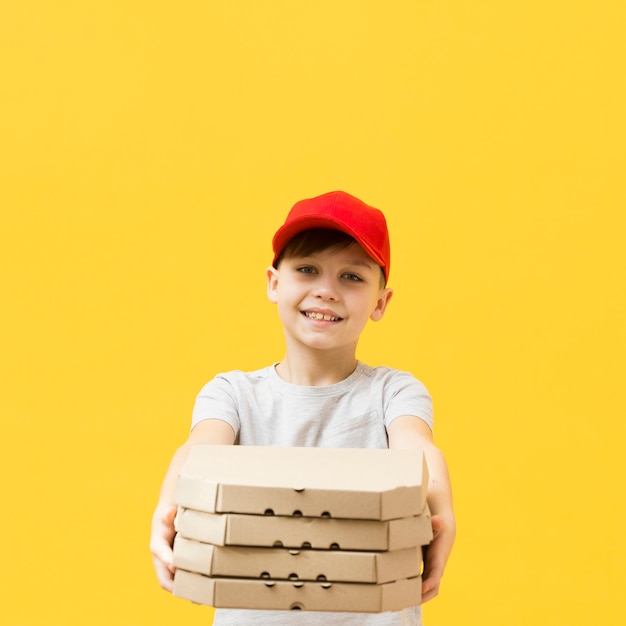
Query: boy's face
column 326, row 299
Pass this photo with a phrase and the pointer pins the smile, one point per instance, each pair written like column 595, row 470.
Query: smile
column 320, row 316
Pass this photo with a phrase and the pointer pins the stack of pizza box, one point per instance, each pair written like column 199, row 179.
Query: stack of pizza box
column 316, row 529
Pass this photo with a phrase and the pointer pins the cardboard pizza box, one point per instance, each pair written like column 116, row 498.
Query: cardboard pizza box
column 285, row 564
column 245, row 593
column 376, row 484
column 236, row 529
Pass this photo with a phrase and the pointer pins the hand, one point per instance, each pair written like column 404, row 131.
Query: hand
column 435, row 557
column 161, row 542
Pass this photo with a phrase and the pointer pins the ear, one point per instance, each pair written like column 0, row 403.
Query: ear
column 381, row 304
column 271, row 275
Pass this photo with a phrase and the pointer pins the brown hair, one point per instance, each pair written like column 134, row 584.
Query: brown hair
column 317, row 240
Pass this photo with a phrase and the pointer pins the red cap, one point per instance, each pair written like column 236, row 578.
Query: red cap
column 338, row 210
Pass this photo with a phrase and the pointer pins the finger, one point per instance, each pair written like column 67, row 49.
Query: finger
column 161, row 543
column 164, row 575
column 430, row 589
column 170, row 515
column 431, row 576
column 163, row 561
column 167, row 523
column 165, row 555
column 438, row 525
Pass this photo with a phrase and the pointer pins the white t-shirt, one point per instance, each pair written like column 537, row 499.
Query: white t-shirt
column 264, row 410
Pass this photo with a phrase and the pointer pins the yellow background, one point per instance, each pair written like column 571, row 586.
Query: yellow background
column 148, row 152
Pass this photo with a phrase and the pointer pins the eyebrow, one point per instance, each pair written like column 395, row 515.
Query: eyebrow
column 362, row 263
column 372, row 265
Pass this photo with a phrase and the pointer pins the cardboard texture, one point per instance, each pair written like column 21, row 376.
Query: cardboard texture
column 285, row 595
column 317, row 529
column 313, row 482
column 311, row 565
column 304, row 532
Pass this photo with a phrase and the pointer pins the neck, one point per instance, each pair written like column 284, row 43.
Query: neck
column 317, row 368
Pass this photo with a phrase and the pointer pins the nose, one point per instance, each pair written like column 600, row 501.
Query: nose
column 325, row 288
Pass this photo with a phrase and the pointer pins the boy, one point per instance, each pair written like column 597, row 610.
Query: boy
column 328, row 279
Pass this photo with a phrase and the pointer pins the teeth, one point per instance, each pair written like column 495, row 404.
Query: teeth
column 321, row 316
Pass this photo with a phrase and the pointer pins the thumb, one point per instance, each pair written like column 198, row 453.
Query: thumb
column 438, row 525
column 170, row 515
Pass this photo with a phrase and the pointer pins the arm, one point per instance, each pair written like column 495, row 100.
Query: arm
column 408, row 431
column 210, row 431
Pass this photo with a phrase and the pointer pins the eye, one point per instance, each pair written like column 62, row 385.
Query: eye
column 306, row 269
column 352, row 277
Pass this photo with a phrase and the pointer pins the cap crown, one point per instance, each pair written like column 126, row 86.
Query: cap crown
column 338, row 210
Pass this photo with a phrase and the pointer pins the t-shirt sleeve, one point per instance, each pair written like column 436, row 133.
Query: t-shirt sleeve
column 406, row 395
column 217, row 400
